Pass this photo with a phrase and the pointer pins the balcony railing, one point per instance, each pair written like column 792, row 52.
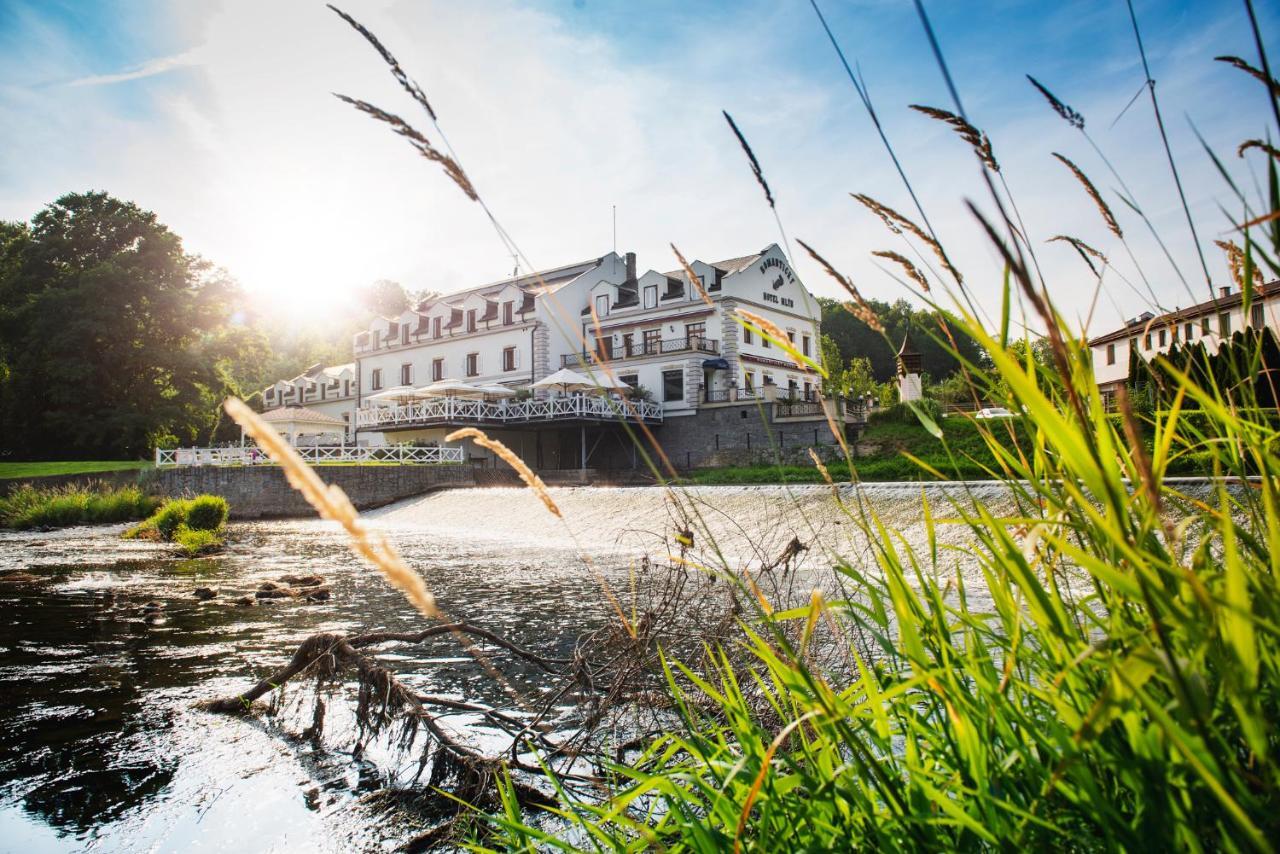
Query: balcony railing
column 237, row 456
column 637, row 350
column 454, row 410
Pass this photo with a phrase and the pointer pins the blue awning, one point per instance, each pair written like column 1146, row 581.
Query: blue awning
column 715, row 364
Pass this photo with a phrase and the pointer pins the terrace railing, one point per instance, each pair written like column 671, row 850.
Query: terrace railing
column 453, row 410
column 248, row 456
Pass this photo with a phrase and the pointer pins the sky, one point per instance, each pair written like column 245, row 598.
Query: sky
column 220, row 118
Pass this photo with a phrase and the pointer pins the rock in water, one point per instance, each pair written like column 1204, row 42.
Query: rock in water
column 246, row 601
column 205, row 593
column 302, row 580
column 318, row 595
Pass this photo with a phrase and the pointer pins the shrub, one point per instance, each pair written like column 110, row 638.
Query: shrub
column 195, row 541
column 167, row 519
column 207, row 512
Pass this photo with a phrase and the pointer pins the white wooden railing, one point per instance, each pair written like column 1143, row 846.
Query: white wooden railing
column 236, row 456
column 455, row 410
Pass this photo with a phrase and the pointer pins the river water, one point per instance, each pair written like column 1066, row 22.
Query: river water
column 101, row 747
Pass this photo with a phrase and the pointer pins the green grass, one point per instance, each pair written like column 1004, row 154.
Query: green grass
column 58, row 507
column 195, row 525
column 13, row 471
column 197, row 541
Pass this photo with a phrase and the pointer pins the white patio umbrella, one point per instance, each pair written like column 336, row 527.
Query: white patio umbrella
column 606, row 383
column 399, row 394
column 565, row 380
column 496, row 390
column 450, row 388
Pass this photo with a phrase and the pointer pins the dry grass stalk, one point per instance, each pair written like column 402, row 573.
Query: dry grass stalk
column 1081, row 247
column 418, row 141
column 978, row 140
column 897, row 223
column 751, row 156
column 1260, row 145
column 859, row 308
column 1270, row 82
column 1235, row 260
column 528, row 475
column 1072, row 117
column 902, row 261
column 1103, row 209
column 767, row 327
column 332, row 503
column 822, row 470
column 694, row 278
column 402, row 78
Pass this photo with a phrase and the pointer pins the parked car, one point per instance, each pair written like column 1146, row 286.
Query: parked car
column 994, row 412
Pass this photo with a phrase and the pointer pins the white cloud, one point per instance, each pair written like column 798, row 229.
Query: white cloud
column 160, row 65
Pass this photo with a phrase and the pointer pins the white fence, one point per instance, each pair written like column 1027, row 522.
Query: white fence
column 449, row 410
column 236, row 456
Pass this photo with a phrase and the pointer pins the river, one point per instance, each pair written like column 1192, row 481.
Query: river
column 101, row 747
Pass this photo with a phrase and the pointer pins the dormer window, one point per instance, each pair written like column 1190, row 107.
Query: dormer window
column 471, row 320
column 508, row 312
column 602, row 305
column 650, row 296
column 435, row 327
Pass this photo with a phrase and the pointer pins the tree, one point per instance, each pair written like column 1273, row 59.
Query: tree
column 113, row 338
column 853, row 337
column 385, row 298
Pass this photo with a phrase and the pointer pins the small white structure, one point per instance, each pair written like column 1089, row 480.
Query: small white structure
column 909, row 369
column 327, row 390
column 305, row 426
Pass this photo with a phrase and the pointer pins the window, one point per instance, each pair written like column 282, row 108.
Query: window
column 695, row 333
column 746, row 335
column 808, row 391
column 805, row 345
column 509, row 359
column 632, row 380
column 652, row 341
column 471, row 320
column 1162, row 337
column 1255, row 315
column 1188, row 330
column 603, row 347
column 1173, row 333
column 1111, row 354
column 1133, row 345
column 406, row 374
column 791, row 336
column 628, row 344
column 673, row 385
column 473, row 364
column 435, row 327
column 437, row 370
column 764, row 342
column 270, row 395
column 362, row 340
column 749, row 380
column 1146, row 341
column 650, row 296
column 324, row 392
column 404, row 334
column 1224, row 324
column 1204, row 325
column 375, row 379
column 602, row 305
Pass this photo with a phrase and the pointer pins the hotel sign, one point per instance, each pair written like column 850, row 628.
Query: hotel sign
column 783, row 271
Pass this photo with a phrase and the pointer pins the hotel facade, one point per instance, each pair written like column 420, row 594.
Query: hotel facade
column 672, row 338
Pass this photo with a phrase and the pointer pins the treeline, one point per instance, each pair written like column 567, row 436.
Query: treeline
column 114, row 339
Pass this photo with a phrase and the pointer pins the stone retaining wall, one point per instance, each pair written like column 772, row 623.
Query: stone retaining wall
column 736, row 435
column 262, row 492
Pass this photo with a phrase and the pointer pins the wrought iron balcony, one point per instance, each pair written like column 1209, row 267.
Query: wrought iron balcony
column 641, row 349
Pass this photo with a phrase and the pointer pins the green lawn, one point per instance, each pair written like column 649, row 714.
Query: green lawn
column 11, row 471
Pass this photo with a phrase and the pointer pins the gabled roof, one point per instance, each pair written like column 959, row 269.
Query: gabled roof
column 729, row 265
column 300, row 414
column 1149, row 321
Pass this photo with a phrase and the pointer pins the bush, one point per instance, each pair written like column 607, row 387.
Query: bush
column 202, row 513
column 902, row 413
column 207, row 512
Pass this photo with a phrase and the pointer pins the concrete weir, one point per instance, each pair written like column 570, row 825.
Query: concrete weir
column 262, row 492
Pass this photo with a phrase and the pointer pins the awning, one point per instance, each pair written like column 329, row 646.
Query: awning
column 715, row 364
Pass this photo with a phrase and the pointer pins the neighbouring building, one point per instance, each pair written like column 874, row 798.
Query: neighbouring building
column 329, row 391
column 1208, row 322
column 672, row 339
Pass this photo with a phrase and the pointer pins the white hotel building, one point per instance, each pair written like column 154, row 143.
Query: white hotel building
column 675, row 338
column 1208, row 322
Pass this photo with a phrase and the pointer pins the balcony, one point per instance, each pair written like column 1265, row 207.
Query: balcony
column 664, row 347
column 453, row 410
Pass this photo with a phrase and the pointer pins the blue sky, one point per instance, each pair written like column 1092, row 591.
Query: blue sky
column 218, row 117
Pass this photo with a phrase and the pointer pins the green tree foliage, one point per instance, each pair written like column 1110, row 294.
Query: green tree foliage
column 112, row 337
column 853, row 338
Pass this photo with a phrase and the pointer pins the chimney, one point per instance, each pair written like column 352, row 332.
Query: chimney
column 1225, row 291
column 631, row 268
